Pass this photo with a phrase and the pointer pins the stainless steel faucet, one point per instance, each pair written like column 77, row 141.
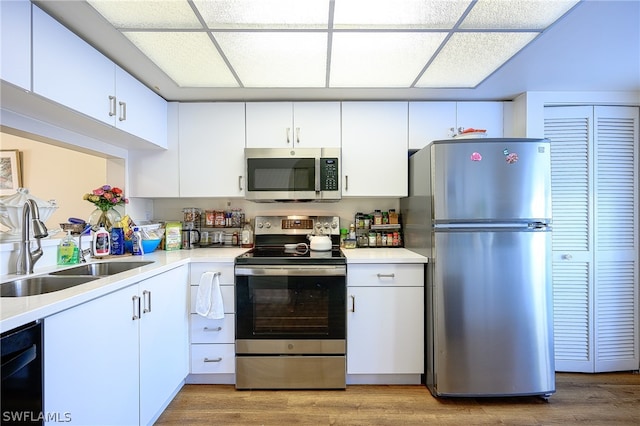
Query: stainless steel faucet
column 27, row 258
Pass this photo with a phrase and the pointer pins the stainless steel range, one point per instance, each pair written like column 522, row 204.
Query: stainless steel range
column 291, row 307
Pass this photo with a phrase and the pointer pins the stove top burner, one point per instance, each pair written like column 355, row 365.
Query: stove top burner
column 280, row 255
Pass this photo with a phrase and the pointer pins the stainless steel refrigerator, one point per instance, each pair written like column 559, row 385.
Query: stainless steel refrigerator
column 480, row 210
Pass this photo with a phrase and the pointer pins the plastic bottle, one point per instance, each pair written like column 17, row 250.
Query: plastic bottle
column 67, row 251
column 247, row 235
column 136, row 239
column 117, row 241
column 101, row 242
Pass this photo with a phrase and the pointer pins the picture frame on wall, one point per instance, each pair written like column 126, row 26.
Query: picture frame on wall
column 10, row 172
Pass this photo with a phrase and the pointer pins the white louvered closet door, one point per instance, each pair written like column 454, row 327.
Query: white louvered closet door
column 594, row 156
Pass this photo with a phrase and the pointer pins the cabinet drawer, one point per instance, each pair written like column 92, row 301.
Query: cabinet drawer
column 386, row 274
column 212, row 359
column 226, row 272
column 204, row 330
column 228, row 298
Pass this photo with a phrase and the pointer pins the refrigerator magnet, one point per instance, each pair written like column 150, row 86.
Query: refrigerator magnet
column 512, row 158
column 476, row 156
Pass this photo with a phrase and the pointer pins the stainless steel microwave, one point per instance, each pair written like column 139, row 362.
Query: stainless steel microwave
column 302, row 174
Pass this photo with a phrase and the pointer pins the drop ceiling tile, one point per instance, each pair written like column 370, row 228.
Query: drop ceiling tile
column 468, row 58
column 516, row 14
column 398, row 14
column 189, row 59
column 147, row 14
column 276, row 59
column 261, row 14
column 380, row 59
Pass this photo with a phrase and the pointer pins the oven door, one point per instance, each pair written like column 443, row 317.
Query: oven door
column 289, row 303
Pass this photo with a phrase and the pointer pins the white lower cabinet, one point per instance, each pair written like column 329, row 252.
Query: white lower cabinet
column 213, row 340
column 385, row 323
column 121, row 358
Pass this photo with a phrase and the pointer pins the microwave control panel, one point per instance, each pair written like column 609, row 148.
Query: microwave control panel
column 329, row 174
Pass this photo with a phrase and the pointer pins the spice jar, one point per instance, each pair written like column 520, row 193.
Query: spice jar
column 377, row 217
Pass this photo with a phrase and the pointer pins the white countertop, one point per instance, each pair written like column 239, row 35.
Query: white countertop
column 382, row 255
column 16, row 311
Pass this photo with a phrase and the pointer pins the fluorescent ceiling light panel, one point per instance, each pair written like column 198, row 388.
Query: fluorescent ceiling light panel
column 276, row 59
column 145, row 14
column 468, row 58
column 516, row 14
column 398, row 14
column 189, row 59
column 380, row 59
column 264, row 14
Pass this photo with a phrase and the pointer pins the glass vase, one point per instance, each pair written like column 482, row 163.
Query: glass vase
column 106, row 217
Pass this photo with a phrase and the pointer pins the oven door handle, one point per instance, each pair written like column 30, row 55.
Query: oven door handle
column 300, row 270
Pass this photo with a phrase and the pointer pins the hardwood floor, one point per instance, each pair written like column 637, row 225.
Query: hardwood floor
column 596, row 399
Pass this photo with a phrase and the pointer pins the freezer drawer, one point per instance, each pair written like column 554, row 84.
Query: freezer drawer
column 492, row 321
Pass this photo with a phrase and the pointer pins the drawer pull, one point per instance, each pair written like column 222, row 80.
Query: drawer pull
column 213, row 360
column 386, row 275
column 213, row 329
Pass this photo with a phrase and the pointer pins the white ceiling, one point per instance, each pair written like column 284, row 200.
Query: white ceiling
column 594, row 47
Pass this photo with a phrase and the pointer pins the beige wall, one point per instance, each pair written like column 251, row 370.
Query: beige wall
column 51, row 172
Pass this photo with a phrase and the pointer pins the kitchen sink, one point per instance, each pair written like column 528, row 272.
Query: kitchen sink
column 33, row 286
column 101, row 269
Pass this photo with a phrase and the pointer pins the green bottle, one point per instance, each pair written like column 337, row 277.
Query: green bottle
column 67, row 251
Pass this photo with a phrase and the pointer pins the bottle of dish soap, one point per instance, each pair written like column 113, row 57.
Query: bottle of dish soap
column 67, row 251
column 101, row 242
column 136, row 240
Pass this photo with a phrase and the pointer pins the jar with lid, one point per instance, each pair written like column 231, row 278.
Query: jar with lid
column 393, row 217
column 247, row 235
column 385, row 218
column 377, row 217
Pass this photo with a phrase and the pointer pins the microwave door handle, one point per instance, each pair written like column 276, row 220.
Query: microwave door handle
column 317, row 174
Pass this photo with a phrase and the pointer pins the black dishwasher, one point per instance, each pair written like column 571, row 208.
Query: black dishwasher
column 21, row 399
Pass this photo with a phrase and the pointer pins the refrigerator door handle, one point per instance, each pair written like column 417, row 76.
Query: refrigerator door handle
column 538, row 225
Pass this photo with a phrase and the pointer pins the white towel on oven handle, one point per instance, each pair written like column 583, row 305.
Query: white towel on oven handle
column 209, row 299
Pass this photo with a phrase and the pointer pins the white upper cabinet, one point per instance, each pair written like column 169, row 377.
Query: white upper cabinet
column 211, row 145
column 140, row 111
column 293, row 124
column 70, row 72
column 374, row 149
column 481, row 115
column 429, row 121
column 15, row 42
column 154, row 173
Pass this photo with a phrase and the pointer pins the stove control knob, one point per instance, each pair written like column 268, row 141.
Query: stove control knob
column 318, row 225
column 326, row 224
column 267, row 225
column 334, row 225
column 258, row 224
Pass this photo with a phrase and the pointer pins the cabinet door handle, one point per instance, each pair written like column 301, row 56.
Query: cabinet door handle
column 567, row 257
column 240, row 183
column 353, row 303
column 213, row 360
column 346, row 182
column 288, row 135
column 297, row 134
column 386, row 275
column 213, row 329
column 112, row 106
column 123, row 111
column 147, row 301
column 136, row 313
